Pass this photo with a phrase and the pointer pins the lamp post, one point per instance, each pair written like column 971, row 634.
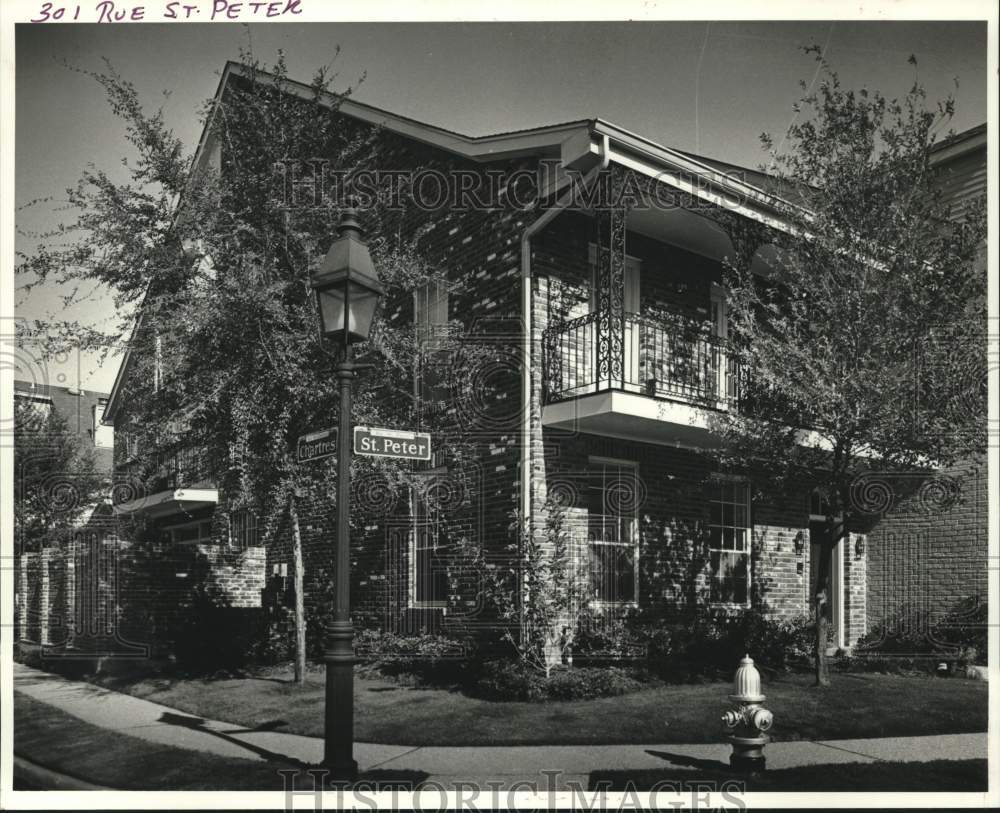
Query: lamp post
column 347, row 294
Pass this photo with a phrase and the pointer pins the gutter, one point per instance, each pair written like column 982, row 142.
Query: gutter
column 529, row 328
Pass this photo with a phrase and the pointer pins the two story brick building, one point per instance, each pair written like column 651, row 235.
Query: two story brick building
column 612, row 322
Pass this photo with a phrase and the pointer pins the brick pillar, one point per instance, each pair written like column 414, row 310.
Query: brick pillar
column 855, row 587
column 23, row 596
column 44, row 559
column 69, row 591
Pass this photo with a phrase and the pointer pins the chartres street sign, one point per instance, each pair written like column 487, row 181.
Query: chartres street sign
column 371, row 440
column 317, row 445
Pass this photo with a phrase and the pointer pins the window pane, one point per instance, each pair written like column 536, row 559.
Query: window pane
column 727, row 538
column 740, row 516
column 612, row 572
column 431, row 577
column 727, row 515
column 740, row 540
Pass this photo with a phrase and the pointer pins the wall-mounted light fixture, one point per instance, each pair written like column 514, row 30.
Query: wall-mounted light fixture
column 800, row 543
column 859, row 545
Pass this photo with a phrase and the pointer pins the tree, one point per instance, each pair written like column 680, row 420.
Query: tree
column 214, row 263
column 866, row 327
column 56, row 480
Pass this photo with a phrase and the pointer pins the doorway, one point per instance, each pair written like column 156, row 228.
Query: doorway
column 819, row 531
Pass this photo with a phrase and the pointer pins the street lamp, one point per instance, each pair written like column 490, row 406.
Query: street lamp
column 347, row 294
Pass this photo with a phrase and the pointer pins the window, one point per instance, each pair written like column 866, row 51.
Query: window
column 198, row 532
column 428, row 548
column 729, row 542
column 430, row 316
column 244, row 529
column 104, row 436
column 819, row 505
column 720, row 380
column 612, row 531
column 34, row 413
column 157, row 363
column 430, row 312
column 130, row 443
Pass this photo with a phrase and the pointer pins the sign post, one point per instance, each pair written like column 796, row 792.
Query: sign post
column 377, row 442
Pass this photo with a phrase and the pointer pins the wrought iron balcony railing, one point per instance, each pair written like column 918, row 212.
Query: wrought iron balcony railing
column 640, row 354
column 166, row 470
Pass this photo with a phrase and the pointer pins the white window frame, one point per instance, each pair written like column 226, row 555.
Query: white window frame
column 412, row 600
column 431, row 302
column 619, row 463
column 716, row 483
column 719, row 310
column 157, row 363
column 102, row 433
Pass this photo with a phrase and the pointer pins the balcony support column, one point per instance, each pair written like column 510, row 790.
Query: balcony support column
column 611, row 214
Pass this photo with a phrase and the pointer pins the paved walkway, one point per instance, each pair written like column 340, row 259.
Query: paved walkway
column 166, row 726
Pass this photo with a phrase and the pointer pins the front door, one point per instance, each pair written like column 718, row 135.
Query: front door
column 832, row 610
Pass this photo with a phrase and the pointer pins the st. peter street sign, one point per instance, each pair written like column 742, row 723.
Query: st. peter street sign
column 371, row 440
column 317, row 445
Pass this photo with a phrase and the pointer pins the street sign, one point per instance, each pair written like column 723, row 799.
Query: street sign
column 317, row 445
column 371, row 440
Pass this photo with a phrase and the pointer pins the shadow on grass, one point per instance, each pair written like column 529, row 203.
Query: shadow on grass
column 693, row 762
column 935, row 776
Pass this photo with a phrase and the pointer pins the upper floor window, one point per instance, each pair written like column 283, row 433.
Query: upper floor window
column 104, row 436
column 157, row 363
column 430, row 312
column 729, row 542
column 819, row 505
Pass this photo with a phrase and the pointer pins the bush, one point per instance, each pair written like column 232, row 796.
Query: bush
column 514, row 680
column 436, row 660
column 712, row 645
column 919, row 635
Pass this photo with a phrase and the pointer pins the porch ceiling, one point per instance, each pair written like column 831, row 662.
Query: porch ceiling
column 695, row 233
column 633, row 417
column 173, row 501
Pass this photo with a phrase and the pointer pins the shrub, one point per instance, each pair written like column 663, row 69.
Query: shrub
column 961, row 635
column 712, row 644
column 431, row 659
column 515, row 680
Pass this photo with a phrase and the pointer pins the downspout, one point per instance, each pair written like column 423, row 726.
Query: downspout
column 529, row 327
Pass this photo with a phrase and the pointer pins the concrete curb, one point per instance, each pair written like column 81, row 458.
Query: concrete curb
column 47, row 779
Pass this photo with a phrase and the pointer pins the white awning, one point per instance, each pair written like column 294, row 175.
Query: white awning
column 174, row 501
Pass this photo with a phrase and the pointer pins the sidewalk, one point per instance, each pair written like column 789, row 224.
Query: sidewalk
column 167, row 727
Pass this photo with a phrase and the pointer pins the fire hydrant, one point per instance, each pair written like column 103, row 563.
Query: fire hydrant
column 749, row 721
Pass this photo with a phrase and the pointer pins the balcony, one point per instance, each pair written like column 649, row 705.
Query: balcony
column 644, row 378
column 169, row 481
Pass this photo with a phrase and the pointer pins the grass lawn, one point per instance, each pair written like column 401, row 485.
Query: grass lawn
column 853, row 706
column 49, row 737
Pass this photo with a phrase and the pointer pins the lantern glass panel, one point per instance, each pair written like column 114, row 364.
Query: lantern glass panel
column 362, row 304
column 331, row 309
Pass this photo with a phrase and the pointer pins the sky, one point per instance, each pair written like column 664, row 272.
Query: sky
column 710, row 88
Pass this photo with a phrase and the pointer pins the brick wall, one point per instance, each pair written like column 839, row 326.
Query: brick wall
column 927, row 553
